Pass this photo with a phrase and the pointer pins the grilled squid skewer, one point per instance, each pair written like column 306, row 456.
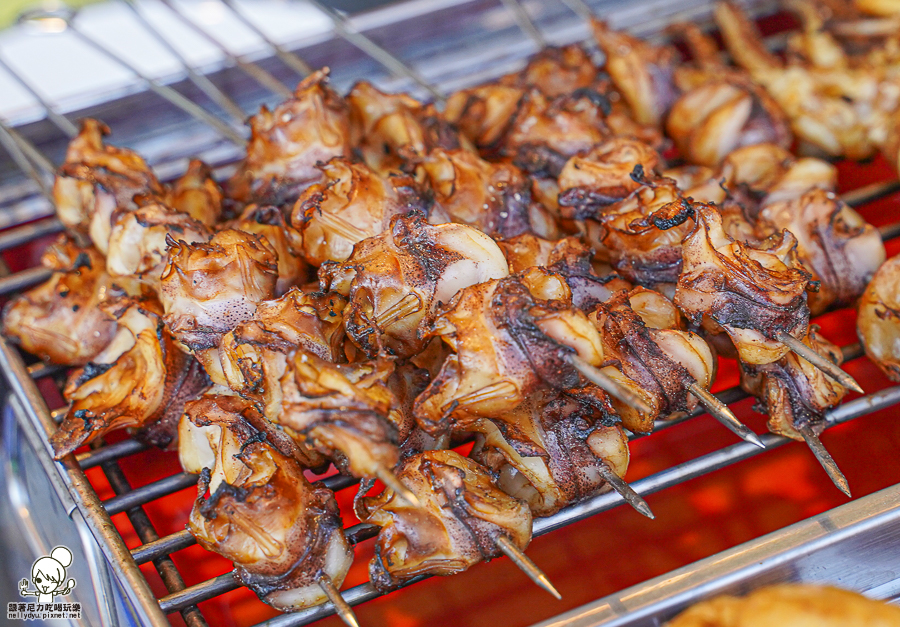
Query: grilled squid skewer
column 283, row 535
column 795, row 394
column 463, row 519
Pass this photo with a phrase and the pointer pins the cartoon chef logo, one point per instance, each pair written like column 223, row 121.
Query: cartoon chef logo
column 48, row 574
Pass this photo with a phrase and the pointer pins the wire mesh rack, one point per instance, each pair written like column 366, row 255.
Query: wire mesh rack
column 207, row 117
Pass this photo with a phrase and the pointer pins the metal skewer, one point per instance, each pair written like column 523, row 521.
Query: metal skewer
column 608, row 384
column 526, row 565
column 824, row 364
column 625, row 491
column 825, row 458
column 389, row 479
column 340, row 605
column 720, row 412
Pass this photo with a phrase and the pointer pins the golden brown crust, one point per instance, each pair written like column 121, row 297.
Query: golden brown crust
column 791, row 605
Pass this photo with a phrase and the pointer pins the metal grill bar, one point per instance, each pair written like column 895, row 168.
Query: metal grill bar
column 287, row 57
column 147, row 533
column 382, row 56
column 62, row 122
column 110, row 452
column 164, row 91
column 255, row 72
column 149, row 492
column 200, row 80
column 524, row 21
column 159, row 548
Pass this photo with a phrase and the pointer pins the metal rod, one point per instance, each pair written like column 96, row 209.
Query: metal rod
column 824, row 364
column 146, row 493
column 255, row 72
column 340, row 605
column 526, row 565
column 146, row 532
column 608, row 384
column 199, row 79
column 13, row 147
column 163, row 546
column 287, row 57
column 824, row 457
column 62, row 122
column 201, row 592
column 624, row 490
column 525, row 22
column 28, row 232
column 581, row 9
column 41, row 370
column 110, row 452
column 39, row 159
column 24, row 279
column 73, row 487
column 382, row 56
column 719, row 410
column 164, row 91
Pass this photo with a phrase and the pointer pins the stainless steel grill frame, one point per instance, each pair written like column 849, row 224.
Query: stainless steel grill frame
column 218, row 139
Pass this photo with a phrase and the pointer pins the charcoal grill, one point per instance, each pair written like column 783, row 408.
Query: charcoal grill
column 434, row 49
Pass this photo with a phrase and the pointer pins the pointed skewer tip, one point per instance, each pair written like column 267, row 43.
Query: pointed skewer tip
column 828, row 367
column 526, row 565
column 625, row 491
column 344, row 611
column 724, row 415
column 825, row 459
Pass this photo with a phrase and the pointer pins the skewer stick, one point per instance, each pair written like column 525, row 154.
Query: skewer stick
column 625, row 491
column 525, row 564
column 608, row 384
column 343, row 609
column 720, row 412
column 825, row 458
column 389, row 479
column 824, row 364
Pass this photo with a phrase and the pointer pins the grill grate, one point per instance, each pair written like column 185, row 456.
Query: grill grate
column 69, row 476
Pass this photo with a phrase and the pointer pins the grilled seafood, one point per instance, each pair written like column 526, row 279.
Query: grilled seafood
column 840, row 249
column 643, row 232
column 549, row 451
column 462, row 515
column 270, row 223
column 351, row 204
column 642, row 73
column 788, row 605
column 556, row 71
column 208, row 289
column 656, row 360
column 346, row 412
column 197, row 194
column 751, row 293
column 397, row 280
column 568, row 257
column 839, row 111
column 493, row 197
column 388, row 129
column 510, row 338
column 286, row 144
column 96, row 180
column 254, row 355
column 606, row 174
column 60, row 320
column 139, row 380
column 281, row 532
column 792, row 391
column 878, row 319
column 138, row 241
